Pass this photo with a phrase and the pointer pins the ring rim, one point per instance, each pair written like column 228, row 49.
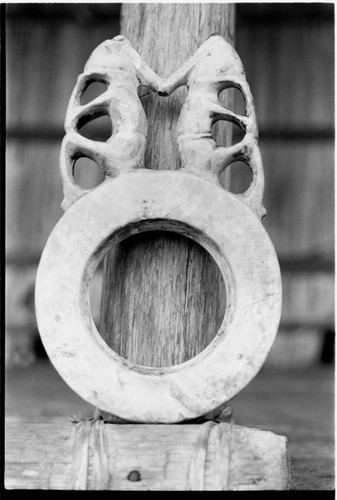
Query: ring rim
column 180, row 397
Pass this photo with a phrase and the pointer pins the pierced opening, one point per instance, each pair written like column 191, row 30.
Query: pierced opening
column 98, row 129
column 168, row 309
column 143, row 92
column 87, row 174
column 155, row 107
column 227, row 133
column 146, row 96
column 233, row 100
column 237, row 177
column 93, row 90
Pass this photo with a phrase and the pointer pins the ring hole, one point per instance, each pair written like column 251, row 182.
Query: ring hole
column 170, row 306
column 87, row 174
column 98, row 129
column 233, row 100
column 93, row 90
column 240, row 177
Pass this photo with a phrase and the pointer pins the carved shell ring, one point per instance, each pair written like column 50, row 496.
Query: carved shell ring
column 134, row 199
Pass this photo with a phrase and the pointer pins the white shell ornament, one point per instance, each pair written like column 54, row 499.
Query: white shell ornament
column 134, row 199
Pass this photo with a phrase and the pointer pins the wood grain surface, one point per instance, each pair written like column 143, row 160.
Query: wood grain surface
column 144, row 457
column 164, row 283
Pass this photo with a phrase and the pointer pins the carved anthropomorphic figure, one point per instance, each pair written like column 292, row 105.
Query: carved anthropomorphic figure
column 214, row 67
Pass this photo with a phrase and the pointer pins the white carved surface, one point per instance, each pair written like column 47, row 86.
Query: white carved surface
column 134, row 199
column 215, row 66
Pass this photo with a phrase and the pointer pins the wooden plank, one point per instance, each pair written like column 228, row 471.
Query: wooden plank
column 158, row 455
column 164, row 283
column 308, row 298
column 37, row 475
column 34, row 193
column 290, row 68
column 42, row 69
column 45, row 441
column 299, row 347
column 299, row 197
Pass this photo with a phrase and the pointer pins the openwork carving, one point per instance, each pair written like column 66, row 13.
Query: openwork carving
column 215, row 66
column 133, row 199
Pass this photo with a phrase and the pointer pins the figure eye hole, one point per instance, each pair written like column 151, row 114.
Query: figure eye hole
column 97, row 128
column 233, row 99
column 144, row 92
column 87, row 174
column 92, row 91
column 237, row 177
column 226, row 133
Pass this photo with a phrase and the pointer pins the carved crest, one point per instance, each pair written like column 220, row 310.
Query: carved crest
column 215, row 66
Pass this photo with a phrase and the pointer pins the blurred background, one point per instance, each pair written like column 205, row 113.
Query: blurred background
column 287, row 50
column 288, row 54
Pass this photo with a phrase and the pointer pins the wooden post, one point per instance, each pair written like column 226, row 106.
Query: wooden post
column 163, row 296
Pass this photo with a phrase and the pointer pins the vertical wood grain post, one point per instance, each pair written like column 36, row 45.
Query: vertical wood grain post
column 163, row 297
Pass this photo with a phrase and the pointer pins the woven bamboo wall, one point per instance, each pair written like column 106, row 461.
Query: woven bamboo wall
column 288, row 54
column 47, row 47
